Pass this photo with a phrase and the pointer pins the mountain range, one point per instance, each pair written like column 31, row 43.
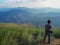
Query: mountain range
column 35, row 16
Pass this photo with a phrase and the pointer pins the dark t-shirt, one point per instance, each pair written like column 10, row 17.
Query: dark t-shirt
column 48, row 27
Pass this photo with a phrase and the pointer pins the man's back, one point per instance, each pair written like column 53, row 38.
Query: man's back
column 48, row 27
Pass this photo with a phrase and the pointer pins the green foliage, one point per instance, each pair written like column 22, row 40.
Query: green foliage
column 22, row 35
column 56, row 33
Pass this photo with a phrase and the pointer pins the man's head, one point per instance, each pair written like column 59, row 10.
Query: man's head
column 49, row 21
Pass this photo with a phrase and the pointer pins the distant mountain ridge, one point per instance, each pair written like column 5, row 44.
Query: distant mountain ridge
column 36, row 16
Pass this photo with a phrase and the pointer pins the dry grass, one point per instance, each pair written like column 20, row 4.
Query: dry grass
column 22, row 34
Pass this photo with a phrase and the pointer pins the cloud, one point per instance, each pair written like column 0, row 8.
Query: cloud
column 36, row 3
column 10, row 3
column 44, row 3
column 30, row 3
column 19, row 3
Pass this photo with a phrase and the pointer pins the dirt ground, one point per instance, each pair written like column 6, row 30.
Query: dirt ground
column 53, row 42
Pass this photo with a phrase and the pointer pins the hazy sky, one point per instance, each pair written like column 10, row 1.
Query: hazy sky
column 30, row 3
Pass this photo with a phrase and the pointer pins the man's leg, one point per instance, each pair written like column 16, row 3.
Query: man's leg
column 45, row 36
column 49, row 38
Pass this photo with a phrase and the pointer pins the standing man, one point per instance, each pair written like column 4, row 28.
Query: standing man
column 48, row 31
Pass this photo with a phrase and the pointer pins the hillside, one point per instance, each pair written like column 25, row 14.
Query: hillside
column 35, row 16
column 15, row 34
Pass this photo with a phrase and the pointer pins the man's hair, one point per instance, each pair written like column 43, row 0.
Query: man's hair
column 49, row 21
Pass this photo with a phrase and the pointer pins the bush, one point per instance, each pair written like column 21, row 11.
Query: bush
column 17, row 35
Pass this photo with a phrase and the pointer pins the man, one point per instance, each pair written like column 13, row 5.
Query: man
column 48, row 31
